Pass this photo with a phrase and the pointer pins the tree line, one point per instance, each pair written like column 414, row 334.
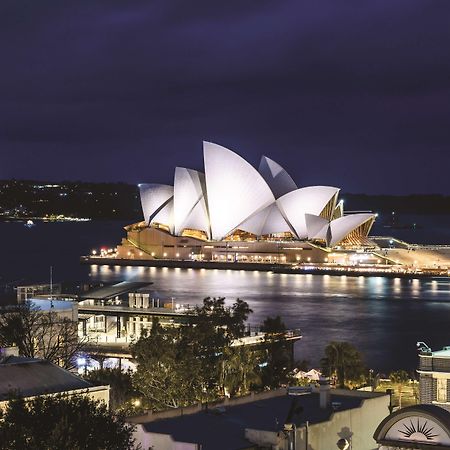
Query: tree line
column 200, row 361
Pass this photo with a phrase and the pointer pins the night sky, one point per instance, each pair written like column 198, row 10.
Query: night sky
column 349, row 93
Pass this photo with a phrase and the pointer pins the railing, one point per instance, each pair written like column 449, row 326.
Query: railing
column 252, row 336
column 413, row 246
column 104, row 339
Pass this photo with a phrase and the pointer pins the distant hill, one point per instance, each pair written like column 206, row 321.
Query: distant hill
column 29, row 198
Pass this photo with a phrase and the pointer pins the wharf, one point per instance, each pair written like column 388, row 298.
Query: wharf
column 104, row 346
column 307, row 269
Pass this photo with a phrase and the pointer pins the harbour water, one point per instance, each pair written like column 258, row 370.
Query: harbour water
column 383, row 317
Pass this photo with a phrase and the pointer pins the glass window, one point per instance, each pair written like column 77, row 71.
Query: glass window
column 441, row 389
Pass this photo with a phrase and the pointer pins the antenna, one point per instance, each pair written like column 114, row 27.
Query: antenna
column 51, row 282
column 422, row 347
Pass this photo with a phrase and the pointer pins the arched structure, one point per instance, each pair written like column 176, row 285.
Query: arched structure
column 415, row 427
column 189, row 201
column 234, row 201
column 235, row 189
column 308, row 200
column 154, row 198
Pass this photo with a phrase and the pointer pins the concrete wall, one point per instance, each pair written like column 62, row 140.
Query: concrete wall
column 356, row 425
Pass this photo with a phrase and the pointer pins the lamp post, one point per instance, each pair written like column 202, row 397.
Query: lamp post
column 343, row 444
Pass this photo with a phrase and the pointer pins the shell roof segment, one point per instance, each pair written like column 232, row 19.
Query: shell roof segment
column 189, row 200
column 276, row 177
column 154, row 197
column 232, row 195
column 308, row 200
column 235, row 189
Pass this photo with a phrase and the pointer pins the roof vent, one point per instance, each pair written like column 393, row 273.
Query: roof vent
column 299, row 390
column 6, row 352
column 336, row 405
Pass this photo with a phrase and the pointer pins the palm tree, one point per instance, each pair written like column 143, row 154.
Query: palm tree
column 343, row 362
column 400, row 378
column 239, row 372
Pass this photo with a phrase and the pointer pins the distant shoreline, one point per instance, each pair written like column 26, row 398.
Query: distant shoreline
column 109, row 201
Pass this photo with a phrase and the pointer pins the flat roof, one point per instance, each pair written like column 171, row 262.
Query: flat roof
column 444, row 353
column 223, row 427
column 107, row 292
column 47, row 305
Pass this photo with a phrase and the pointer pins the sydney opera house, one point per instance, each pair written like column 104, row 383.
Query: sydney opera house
column 235, row 212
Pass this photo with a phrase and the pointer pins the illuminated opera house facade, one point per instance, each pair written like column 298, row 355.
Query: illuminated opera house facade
column 234, row 212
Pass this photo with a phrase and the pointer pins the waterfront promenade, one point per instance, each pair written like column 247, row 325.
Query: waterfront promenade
column 396, row 271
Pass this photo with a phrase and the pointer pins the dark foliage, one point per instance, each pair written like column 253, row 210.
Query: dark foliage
column 343, row 362
column 121, row 387
column 40, row 334
column 196, row 362
column 50, row 423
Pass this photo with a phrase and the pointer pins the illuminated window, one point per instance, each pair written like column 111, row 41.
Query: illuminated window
column 441, row 390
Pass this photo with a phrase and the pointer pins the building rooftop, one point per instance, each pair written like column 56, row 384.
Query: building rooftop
column 107, row 292
column 444, row 353
column 30, row 377
column 52, row 305
column 224, row 427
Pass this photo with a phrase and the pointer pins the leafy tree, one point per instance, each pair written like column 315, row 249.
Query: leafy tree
column 342, row 361
column 278, row 362
column 400, row 378
column 302, row 364
column 214, row 327
column 241, row 372
column 41, row 334
column 121, row 387
column 273, row 325
column 57, row 422
column 195, row 362
column 203, row 360
column 168, row 373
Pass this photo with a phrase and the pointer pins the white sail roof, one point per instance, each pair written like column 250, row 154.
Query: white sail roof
column 189, row 201
column 235, row 189
column 234, row 195
column 275, row 222
column 255, row 223
column 276, row 177
column 267, row 221
column 165, row 216
column 342, row 226
column 314, row 225
column 153, row 198
column 307, row 200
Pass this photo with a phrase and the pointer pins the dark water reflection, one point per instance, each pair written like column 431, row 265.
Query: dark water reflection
column 383, row 317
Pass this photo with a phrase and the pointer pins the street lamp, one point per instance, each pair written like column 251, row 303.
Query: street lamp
column 343, row 444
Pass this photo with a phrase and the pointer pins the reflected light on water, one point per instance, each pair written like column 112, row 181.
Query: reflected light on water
column 374, row 312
